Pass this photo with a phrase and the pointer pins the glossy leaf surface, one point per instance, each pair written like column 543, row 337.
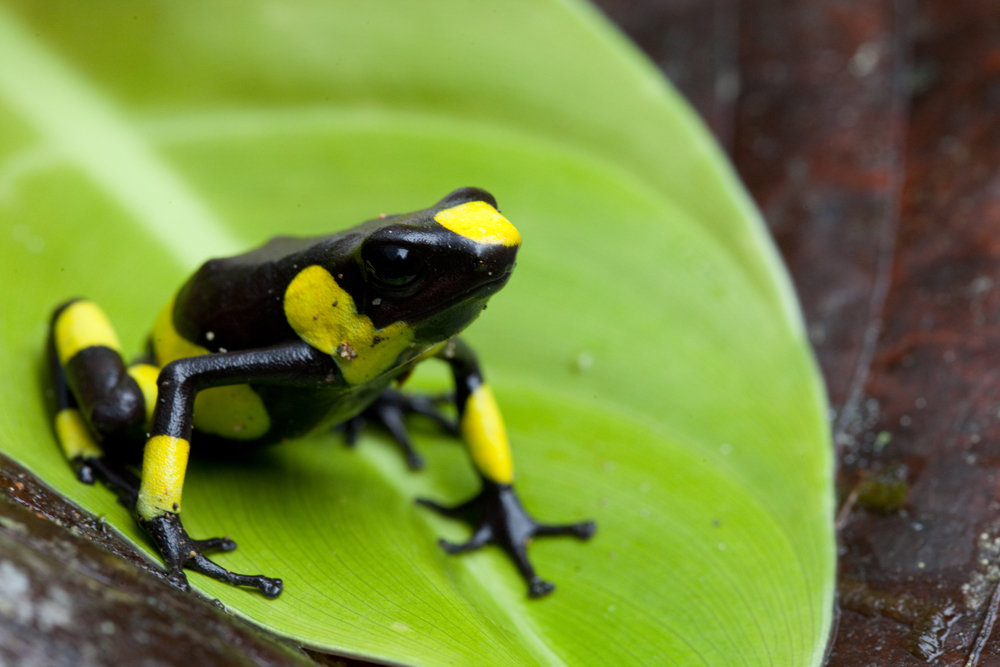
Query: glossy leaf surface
column 647, row 354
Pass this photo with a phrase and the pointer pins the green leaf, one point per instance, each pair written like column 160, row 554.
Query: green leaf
column 648, row 353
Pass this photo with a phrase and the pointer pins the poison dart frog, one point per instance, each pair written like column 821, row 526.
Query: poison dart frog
column 297, row 335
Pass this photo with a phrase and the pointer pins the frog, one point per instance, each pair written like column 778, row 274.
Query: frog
column 299, row 335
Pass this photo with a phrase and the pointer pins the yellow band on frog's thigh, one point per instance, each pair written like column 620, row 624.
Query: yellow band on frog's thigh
column 486, row 436
column 74, row 436
column 80, row 325
column 163, row 464
column 145, row 375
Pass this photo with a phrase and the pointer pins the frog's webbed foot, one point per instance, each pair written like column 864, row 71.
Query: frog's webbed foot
column 390, row 410
column 497, row 516
column 180, row 551
column 114, row 475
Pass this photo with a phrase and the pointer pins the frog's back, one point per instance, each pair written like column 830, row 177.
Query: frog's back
column 232, row 304
column 237, row 303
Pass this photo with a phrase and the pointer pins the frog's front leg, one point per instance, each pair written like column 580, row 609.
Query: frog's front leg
column 166, row 453
column 495, row 513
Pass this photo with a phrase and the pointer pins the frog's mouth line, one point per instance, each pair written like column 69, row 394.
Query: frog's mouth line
column 485, row 289
column 382, row 318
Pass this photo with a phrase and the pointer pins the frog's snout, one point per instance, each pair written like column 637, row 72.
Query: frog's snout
column 496, row 262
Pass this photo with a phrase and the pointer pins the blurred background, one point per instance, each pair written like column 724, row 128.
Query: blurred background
column 867, row 132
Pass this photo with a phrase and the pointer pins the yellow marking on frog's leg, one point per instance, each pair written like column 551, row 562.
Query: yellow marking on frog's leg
column 486, row 436
column 480, row 222
column 74, row 435
column 324, row 315
column 164, row 462
column 235, row 412
column 145, row 376
column 80, row 325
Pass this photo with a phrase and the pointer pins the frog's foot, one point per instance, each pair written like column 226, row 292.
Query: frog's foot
column 389, row 410
column 497, row 516
column 113, row 475
column 180, row 551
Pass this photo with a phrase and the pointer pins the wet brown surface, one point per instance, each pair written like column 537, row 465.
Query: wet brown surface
column 73, row 593
column 867, row 131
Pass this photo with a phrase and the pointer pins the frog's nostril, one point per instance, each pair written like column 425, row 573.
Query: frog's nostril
column 498, row 266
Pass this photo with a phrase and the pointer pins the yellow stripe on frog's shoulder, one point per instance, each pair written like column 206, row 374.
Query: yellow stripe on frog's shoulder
column 80, row 325
column 235, row 412
column 324, row 315
column 480, row 222
column 486, row 436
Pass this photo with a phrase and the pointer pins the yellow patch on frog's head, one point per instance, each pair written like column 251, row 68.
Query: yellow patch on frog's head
column 479, row 222
column 324, row 315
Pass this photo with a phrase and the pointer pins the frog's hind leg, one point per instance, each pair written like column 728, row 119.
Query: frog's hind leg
column 101, row 407
column 496, row 513
column 389, row 410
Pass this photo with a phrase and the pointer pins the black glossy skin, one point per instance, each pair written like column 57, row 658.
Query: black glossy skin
column 240, row 300
column 405, row 269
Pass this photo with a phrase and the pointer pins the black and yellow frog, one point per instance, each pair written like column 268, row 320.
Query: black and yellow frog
column 300, row 334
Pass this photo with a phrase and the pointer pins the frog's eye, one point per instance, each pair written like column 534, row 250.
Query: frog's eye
column 392, row 265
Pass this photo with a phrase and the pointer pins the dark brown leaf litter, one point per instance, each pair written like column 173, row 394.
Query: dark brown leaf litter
column 72, row 592
column 869, row 133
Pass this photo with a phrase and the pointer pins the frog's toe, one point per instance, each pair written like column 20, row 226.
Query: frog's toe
column 584, row 530
column 85, row 472
column 179, row 580
column 538, row 587
column 271, row 588
column 352, row 428
column 458, row 512
column 482, row 537
column 114, row 475
column 390, row 410
column 180, row 551
column 497, row 516
column 215, row 544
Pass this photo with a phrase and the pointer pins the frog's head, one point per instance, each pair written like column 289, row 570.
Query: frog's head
column 435, row 269
column 392, row 287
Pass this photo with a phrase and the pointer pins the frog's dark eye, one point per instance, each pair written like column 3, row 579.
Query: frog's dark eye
column 392, row 265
